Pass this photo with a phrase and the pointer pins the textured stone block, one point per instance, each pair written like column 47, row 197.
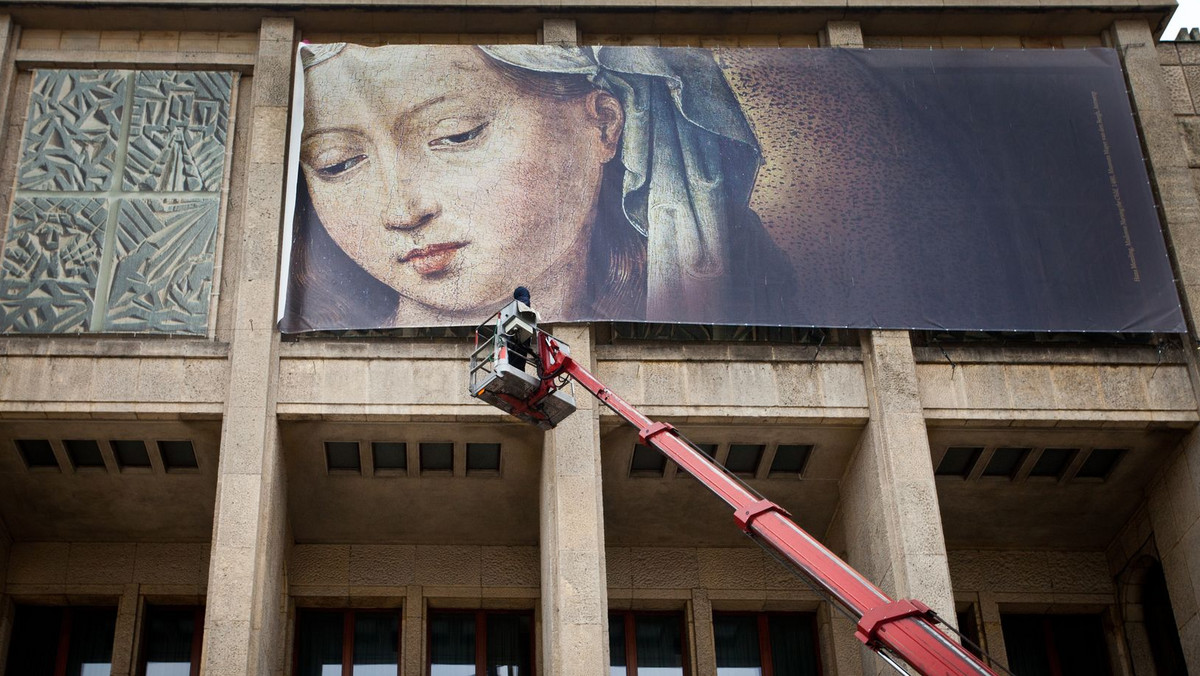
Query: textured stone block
column 38, row 563
column 100, row 563
column 448, row 565
column 385, row 565
column 509, row 567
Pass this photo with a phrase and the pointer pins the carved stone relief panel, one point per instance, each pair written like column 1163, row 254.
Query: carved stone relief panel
column 84, row 252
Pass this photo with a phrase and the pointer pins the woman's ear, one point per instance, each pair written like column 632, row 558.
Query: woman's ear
column 605, row 112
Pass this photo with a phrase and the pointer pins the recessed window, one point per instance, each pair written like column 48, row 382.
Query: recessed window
column 646, row 643
column 790, row 459
column 347, row 641
column 958, row 461
column 130, row 453
column 483, row 458
column 177, row 455
column 647, row 461
column 1005, row 462
column 1053, row 462
column 45, row 638
column 437, row 456
column 752, row 643
column 172, row 640
column 1100, row 463
column 743, row 458
column 342, row 456
column 708, row 449
column 480, row 642
column 37, row 453
column 84, row 453
column 390, row 455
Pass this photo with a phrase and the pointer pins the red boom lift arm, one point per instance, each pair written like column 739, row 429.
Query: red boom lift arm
column 903, row 628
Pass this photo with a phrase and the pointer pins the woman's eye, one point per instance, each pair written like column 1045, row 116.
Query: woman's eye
column 339, row 168
column 458, row 139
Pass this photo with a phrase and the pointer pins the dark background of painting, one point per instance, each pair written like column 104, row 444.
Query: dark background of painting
column 954, row 190
column 961, row 190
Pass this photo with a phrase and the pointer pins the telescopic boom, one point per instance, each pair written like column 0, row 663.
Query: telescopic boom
column 904, row 629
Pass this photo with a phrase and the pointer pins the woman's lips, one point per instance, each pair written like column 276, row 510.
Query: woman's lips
column 432, row 259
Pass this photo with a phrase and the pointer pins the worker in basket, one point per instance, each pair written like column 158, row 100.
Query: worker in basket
column 519, row 350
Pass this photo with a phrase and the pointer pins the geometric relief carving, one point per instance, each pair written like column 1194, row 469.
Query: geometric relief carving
column 72, row 130
column 167, row 133
column 51, row 263
column 163, row 276
column 179, row 124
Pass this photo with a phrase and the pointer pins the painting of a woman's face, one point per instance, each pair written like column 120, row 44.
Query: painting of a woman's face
column 446, row 180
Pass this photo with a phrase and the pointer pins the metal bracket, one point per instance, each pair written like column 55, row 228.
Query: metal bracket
column 746, row 516
column 645, row 435
column 874, row 619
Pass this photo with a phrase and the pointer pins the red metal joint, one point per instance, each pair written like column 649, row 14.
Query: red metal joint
column 747, row 515
column 874, row 619
column 645, row 435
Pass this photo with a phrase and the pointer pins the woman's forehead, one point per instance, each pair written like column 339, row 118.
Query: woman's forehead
column 407, row 67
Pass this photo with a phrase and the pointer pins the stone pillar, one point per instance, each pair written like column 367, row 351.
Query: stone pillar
column 1174, row 496
column 701, row 621
column 991, row 634
column 574, row 587
column 840, row 651
column 124, row 660
column 560, row 32
column 414, row 631
column 889, row 501
column 8, row 46
column 244, row 620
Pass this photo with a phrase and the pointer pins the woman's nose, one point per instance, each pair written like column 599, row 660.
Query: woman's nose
column 409, row 203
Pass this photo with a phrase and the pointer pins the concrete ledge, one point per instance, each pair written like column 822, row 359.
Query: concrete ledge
column 64, row 58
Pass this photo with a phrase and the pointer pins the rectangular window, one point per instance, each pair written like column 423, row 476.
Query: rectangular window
column 495, row 643
column 766, row 644
column 348, row 643
column 647, row 643
column 118, row 195
column 62, row 641
column 1055, row 645
column 171, row 640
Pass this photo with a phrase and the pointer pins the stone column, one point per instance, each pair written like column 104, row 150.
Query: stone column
column 244, row 620
column 1174, row 496
column 702, row 633
column 574, row 587
column 124, row 655
column 889, row 501
column 8, row 45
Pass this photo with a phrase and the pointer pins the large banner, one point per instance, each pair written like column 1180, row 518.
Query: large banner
column 963, row 190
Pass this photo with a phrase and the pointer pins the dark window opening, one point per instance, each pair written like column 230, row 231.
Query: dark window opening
column 483, row 458
column 744, row 458
column 84, row 453
column 171, row 641
column 790, row 459
column 1165, row 648
column 968, row 626
column 647, row 461
column 390, row 455
column 437, row 456
column 342, row 456
column 1005, row 462
column 130, row 453
column 61, row 641
column 464, row 643
column 356, row 642
column 177, row 455
column 766, row 644
column 958, row 461
column 1053, row 462
column 37, row 453
column 1100, row 463
column 652, row 642
column 708, row 449
column 1055, row 645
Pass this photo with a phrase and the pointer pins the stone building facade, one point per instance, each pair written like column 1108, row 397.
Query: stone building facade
column 249, row 483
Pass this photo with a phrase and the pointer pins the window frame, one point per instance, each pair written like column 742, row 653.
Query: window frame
column 197, row 635
column 348, row 616
column 629, row 619
column 762, row 626
column 480, row 615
